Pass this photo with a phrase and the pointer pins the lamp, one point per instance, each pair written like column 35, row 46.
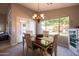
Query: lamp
column 37, row 16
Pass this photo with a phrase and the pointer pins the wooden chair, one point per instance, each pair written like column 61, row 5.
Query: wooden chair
column 39, row 36
column 53, row 47
column 30, row 47
column 45, row 33
column 28, row 43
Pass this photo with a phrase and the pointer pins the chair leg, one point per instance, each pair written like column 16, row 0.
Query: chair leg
column 55, row 52
column 26, row 52
column 51, row 54
column 42, row 52
column 31, row 52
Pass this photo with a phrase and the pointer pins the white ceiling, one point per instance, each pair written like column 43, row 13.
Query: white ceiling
column 47, row 6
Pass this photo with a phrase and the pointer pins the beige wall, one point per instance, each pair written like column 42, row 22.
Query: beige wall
column 4, row 8
column 72, row 12
column 18, row 11
column 3, row 22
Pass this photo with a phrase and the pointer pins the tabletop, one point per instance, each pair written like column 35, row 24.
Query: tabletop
column 43, row 42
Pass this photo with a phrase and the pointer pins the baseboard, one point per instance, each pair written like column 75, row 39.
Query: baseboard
column 63, row 45
column 13, row 44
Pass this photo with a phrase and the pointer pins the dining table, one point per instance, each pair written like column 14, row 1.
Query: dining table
column 43, row 43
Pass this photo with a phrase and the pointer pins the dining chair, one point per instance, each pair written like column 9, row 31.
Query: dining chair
column 45, row 33
column 28, row 43
column 39, row 36
column 53, row 47
column 30, row 46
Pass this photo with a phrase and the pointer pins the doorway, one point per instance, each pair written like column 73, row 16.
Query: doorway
column 22, row 27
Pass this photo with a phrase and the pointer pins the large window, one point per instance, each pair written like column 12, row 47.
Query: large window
column 64, row 25
column 58, row 25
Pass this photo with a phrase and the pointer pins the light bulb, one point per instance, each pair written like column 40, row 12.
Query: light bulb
column 35, row 15
column 42, row 15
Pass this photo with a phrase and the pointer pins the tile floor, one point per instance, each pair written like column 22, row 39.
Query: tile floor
column 18, row 51
column 4, row 44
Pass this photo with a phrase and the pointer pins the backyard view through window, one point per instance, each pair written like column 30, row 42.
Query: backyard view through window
column 55, row 26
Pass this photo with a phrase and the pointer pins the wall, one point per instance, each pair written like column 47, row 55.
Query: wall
column 32, row 26
column 3, row 22
column 16, row 12
column 4, row 8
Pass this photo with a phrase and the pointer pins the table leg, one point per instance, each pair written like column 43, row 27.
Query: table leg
column 45, row 52
column 23, row 46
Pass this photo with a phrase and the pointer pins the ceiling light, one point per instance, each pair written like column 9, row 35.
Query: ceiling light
column 37, row 16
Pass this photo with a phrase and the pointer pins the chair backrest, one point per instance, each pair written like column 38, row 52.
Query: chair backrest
column 39, row 36
column 55, row 40
column 46, row 33
column 29, row 32
column 53, row 47
column 28, row 40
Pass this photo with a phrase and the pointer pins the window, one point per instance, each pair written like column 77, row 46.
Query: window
column 64, row 25
column 58, row 25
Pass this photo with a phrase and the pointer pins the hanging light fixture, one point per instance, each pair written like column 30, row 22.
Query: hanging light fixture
column 37, row 16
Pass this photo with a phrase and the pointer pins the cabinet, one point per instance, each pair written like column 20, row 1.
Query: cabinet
column 74, row 40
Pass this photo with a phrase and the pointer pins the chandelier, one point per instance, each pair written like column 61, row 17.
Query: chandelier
column 37, row 16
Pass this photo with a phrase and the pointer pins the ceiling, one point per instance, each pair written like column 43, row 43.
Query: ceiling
column 47, row 6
